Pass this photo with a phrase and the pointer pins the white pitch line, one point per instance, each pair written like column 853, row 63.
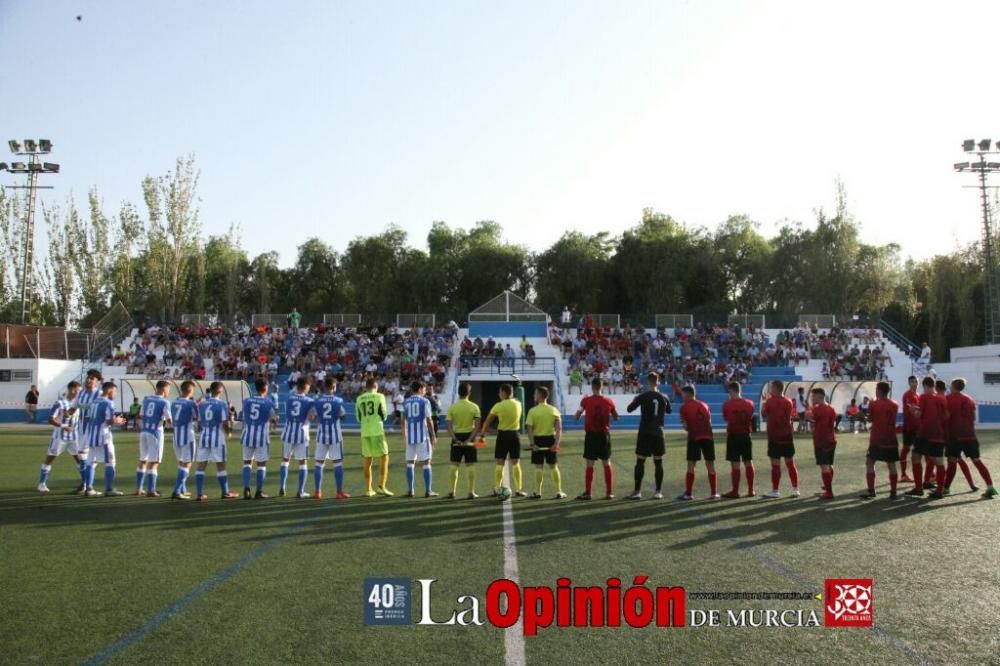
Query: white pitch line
column 513, row 636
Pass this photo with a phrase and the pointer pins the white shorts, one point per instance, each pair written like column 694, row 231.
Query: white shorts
column 295, row 451
column 103, row 454
column 184, row 452
column 216, row 454
column 151, row 446
column 58, row 445
column 421, row 451
column 259, row 453
column 329, row 452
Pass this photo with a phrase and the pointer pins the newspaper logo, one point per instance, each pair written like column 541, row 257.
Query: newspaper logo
column 848, row 602
column 386, row 601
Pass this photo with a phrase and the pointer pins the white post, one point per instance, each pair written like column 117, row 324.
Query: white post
column 65, row 345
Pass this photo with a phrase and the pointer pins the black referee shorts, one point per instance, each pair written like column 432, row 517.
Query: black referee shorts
column 544, row 455
column 508, row 445
column 461, row 451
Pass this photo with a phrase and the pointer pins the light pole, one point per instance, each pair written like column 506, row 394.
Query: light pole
column 33, row 150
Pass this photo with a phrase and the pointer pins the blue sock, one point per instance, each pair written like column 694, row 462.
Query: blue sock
column 109, row 477
column 409, row 477
column 88, row 476
column 223, row 478
column 44, row 476
column 303, row 473
column 140, row 476
column 282, row 475
column 199, row 482
column 182, row 475
column 84, row 467
column 261, row 473
column 338, row 475
column 246, row 475
column 318, row 477
column 151, row 478
column 427, row 478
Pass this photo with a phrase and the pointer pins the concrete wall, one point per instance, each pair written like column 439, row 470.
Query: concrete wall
column 505, row 329
column 51, row 377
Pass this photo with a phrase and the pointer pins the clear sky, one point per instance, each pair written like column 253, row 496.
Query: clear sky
column 335, row 118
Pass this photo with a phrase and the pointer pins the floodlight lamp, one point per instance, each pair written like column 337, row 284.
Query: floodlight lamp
column 34, row 166
column 45, row 145
column 985, row 144
column 969, row 145
column 993, row 165
column 18, row 166
column 15, row 147
column 3, row 166
column 51, row 168
column 961, row 166
column 30, row 145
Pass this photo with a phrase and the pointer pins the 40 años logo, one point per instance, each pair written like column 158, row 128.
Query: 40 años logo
column 565, row 605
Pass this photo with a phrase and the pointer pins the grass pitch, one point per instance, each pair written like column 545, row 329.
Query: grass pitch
column 124, row 580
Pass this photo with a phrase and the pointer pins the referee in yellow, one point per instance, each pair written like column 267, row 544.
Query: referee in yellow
column 463, row 421
column 507, row 413
column 545, row 432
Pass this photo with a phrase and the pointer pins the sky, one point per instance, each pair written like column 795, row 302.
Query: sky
column 334, row 119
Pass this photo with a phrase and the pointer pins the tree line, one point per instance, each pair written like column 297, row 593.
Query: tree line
column 156, row 260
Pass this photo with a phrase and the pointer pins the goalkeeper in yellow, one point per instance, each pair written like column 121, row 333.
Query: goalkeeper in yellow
column 371, row 413
column 544, row 425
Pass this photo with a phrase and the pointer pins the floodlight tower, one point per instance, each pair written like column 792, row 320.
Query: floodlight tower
column 33, row 150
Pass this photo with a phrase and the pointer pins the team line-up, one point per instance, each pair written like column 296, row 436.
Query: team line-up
column 938, row 435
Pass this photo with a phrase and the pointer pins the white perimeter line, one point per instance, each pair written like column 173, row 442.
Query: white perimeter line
column 513, row 636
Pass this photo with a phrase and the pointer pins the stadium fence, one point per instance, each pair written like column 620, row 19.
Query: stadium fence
column 342, row 319
column 415, row 320
column 273, row 320
column 746, row 320
column 818, row 320
column 606, row 320
column 200, row 319
column 674, row 321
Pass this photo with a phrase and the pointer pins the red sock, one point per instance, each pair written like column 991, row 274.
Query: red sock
column 793, row 472
column 608, row 478
column 964, row 466
column 775, row 476
column 904, row 458
column 751, row 472
column 985, row 473
column 588, row 479
column 735, row 476
column 713, row 482
column 688, row 483
column 918, row 476
column 939, row 469
column 870, row 478
column 950, row 473
column 928, row 469
column 893, row 480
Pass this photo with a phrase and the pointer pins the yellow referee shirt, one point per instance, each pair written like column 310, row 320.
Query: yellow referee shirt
column 508, row 413
column 463, row 414
column 542, row 420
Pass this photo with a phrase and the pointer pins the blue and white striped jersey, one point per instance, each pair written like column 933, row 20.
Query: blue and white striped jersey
column 102, row 412
column 183, row 411
column 61, row 412
column 417, row 410
column 329, row 411
column 155, row 410
column 297, row 408
column 85, row 402
column 212, row 415
column 257, row 413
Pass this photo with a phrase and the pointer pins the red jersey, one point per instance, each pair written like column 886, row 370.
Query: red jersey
column 883, row 414
column 778, row 411
column 738, row 414
column 961, row 417
column 598, row 410
column 824, row 424
column 933, row 417
column 911, row 422
column 697, row 420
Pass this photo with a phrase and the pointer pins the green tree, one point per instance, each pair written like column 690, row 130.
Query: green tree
column 574, row 272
